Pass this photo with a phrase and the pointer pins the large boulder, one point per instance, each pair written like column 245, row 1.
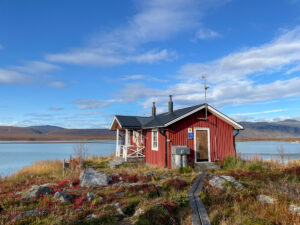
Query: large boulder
column 36, row 191
column 295, row 210
column 265, row 199
column 91, row 178
column 217, row 182
column 232, row 180
column 62, row 197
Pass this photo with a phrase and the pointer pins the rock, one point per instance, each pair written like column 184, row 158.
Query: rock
column 27, row 214
column 159, row 189
column 163, row 177
column 139, row 212
column 295, row 210
column 49, row 185
column 217, row 182
column 265, row 199
column 92, row 217
column 36, row 190
column 116, row 162
column 62, row 197
column 232, row 180
column 91, row 178
column 150, row 174
column 90, row 196
column 119, row 210
column 118, row 184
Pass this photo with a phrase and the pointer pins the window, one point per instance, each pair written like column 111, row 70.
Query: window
column 155, row 140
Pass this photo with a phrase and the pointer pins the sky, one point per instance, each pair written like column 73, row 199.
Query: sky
column 77, row 63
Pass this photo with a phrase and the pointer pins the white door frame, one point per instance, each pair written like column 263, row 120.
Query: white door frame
column 195, row 140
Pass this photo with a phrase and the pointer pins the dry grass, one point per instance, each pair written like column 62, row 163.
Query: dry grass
column 42, row 168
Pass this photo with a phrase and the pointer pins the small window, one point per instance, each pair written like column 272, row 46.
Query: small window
column 155, row 140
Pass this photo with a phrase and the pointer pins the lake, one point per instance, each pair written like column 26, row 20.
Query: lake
column 14, row 155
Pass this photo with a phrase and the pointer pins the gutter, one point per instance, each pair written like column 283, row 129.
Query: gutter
column 163, row 132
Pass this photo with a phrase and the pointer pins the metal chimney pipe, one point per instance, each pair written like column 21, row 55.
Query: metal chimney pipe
column 170, row 104
column 153, row 110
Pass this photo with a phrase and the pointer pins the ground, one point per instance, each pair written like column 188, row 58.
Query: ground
column 157, row 196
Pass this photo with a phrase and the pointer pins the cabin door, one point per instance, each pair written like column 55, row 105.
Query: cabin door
column 202, row 145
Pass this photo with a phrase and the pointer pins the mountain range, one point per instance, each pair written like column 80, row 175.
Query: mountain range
column 48, row 132
column 253, row 130
column 270, row 130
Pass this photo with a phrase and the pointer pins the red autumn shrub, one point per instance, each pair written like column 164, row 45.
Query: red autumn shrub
column 176, row 184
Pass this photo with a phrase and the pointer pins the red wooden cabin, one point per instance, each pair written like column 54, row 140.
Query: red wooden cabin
column 208, row 134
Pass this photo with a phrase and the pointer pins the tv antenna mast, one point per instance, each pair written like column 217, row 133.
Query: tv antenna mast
column 205, row 86
column 205, row 90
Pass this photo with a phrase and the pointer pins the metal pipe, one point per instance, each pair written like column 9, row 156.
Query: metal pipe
column 163, row 132
column 238, row 131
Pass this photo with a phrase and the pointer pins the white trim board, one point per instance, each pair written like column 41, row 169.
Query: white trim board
column 195, row 143
column 115, row 119
column 213, row 111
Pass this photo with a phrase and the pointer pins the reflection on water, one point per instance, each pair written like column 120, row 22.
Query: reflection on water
column 267, row 150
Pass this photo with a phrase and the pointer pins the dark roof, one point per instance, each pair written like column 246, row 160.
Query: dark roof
column 158, row 121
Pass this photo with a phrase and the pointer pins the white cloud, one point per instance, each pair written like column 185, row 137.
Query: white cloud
column 141, row 78
column 56, row 108
column 154, row 20
column 84, row 104
column 274, row 56
column 12, row 77
column 35, row 67
column 204, row 34
column 258, row 113
column 57, row 84
column 233, row 78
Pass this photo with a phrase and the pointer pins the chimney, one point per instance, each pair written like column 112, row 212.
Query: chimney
column 153, row 110
column 170, row 104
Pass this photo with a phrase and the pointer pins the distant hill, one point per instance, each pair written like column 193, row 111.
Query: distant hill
column 48, row 132
column 281, row 129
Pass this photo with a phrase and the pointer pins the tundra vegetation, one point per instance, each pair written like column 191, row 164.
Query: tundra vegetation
column 137, row 194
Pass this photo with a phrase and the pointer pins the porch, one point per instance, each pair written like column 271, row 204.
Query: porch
column 130, row 144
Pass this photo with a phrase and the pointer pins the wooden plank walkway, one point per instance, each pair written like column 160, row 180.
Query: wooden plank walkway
column 199, row 214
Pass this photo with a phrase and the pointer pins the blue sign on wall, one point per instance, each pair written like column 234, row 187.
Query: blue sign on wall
column 191, row 135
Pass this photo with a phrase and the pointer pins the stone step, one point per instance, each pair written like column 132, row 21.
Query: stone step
column 207, row 166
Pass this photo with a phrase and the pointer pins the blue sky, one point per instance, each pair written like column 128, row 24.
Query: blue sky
column 77, row 63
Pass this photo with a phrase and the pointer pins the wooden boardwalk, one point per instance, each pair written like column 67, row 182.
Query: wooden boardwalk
column 199, row 214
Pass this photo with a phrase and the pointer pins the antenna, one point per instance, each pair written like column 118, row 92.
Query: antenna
column 205, row 86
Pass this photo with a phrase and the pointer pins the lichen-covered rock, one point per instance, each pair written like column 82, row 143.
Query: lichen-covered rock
column 119, row 210
column 150, row 174
column 91, row 178
column 295, row 210
column 265, row 199
column 90, row 196
column 28, row 214
column 36, row 191
column 92, row 217
column 139, row 212
column 217, row 182
column 62, row 197
column 232, row 180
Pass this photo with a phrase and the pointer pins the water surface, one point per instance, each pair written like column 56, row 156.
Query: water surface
column 14, row 155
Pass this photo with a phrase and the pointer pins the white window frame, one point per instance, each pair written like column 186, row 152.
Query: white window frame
column 154, row 148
